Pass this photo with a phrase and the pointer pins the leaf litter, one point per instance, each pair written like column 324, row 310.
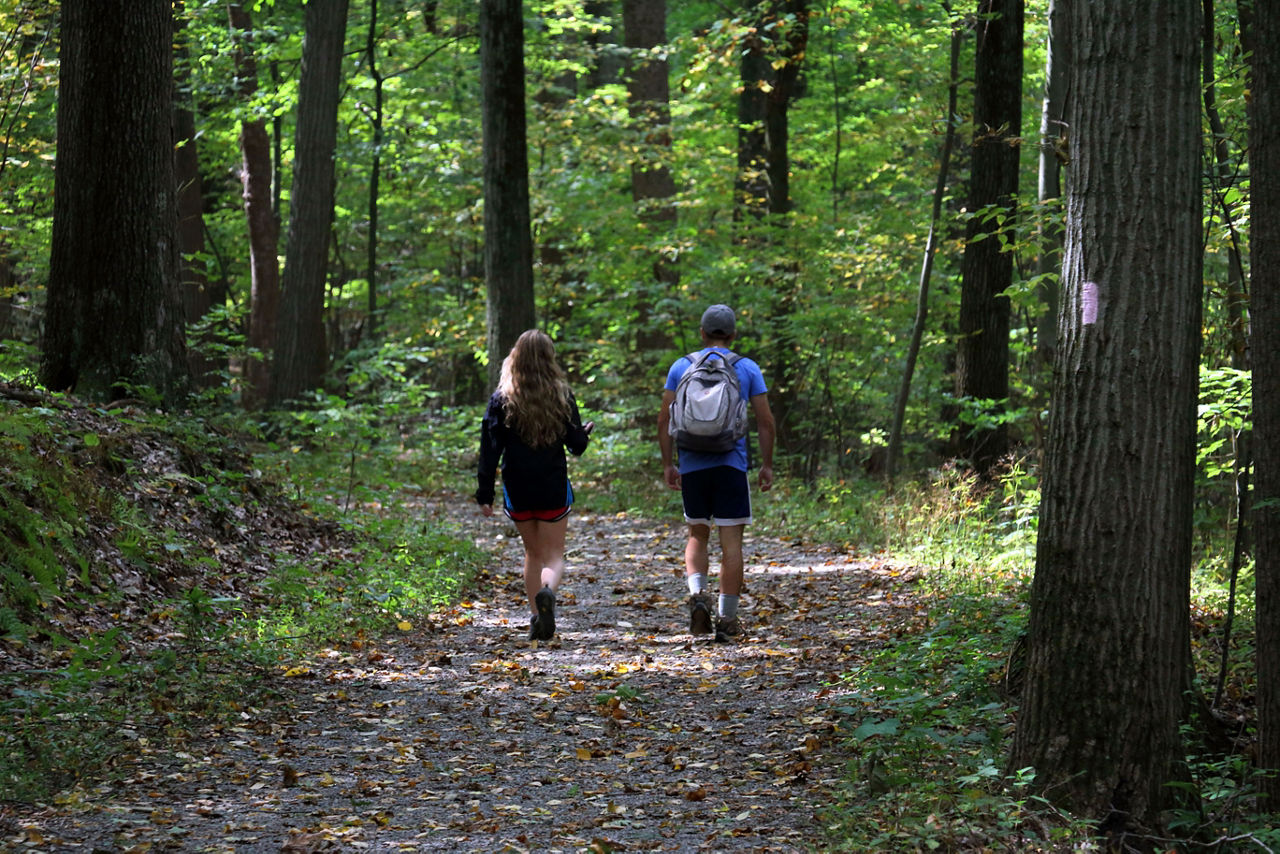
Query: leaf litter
column 623, row 733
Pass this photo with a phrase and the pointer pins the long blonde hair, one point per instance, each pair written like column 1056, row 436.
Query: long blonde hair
column 535, row 390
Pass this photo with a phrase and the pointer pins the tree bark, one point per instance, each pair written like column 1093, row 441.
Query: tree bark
column 197, row 294
column 260, row 216
column 1053, row 150
column 982, row 352
column 653, row 189
column 1264, row 167
column 301, row 356
column 1109, row 637
column 894, row 449
column 508, row 241
column 375, row 168
column 114, row 317
column 771, row 64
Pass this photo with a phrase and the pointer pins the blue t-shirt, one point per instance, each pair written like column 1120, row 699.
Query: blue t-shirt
column 751, row 381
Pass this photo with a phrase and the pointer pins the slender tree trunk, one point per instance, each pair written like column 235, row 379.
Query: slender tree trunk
column 982, row 352
column 197, row 295
column 792, row 44
column 263, row 226
column 894, row 450
column 1263, row 33
column 752, row 182
column 771, row 65
column 375, row 167
column 300, row 357
column 1109, row 637
column 508, row 242
column 1222, row 181
column 1053, row 151
column 114, row 317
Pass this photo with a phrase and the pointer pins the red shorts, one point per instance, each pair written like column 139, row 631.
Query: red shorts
column 541, row 515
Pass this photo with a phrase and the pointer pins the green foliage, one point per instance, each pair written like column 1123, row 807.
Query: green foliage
column 40, row 515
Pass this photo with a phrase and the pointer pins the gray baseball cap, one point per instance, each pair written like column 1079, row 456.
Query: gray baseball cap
column 718, row 320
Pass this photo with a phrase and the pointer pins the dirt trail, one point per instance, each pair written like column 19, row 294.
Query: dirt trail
column 622, row 734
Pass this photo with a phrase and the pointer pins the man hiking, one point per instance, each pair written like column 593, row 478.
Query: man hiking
column 703, row 418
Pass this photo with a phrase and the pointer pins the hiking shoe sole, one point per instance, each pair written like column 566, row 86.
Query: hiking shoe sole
column 545, row 602
column 699, row 615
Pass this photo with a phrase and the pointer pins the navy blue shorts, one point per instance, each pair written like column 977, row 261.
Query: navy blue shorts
column 716, row 496
column 549, row 514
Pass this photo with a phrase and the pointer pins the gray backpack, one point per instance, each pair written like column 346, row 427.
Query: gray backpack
column 709, row 414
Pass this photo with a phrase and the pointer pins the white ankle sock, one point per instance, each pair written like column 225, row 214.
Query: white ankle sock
column 728, row 606
column 697, row 583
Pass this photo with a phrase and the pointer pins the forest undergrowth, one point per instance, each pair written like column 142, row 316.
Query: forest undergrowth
column 161, row 572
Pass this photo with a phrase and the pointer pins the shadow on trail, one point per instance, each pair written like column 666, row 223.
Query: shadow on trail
column 623, row 733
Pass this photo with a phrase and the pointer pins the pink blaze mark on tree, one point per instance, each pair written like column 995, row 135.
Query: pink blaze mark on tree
column 1089, row 303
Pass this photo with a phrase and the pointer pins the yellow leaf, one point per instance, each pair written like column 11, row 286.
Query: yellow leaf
column 584, row 753
column 299, row 670
column 404, row 626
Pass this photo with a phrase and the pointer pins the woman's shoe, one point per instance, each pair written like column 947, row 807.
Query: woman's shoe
column 545, row 602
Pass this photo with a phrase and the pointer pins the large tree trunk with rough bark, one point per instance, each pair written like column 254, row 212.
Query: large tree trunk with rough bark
column 1264, row 167
column 114, row 316
column 1109, row 636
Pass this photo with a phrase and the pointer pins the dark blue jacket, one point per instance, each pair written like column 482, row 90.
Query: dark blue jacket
column 534, row 478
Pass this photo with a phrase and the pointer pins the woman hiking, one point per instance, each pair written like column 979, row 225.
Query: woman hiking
column 531, row 419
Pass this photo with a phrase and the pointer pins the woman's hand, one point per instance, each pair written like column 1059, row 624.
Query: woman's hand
column 588, row 427
column 486, row 509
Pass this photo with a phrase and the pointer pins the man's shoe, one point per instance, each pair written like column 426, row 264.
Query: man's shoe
column 728, row 629
column 699, row 614
column 535, row 633
column 545, row 602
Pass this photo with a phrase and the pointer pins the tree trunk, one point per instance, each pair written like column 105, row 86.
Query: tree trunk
column 300, row 357
column 114, row 317
column 752, row 182
column 197, row 298
column 1109, row 640
column 508, row 243
column 982, row 352
column 894, row 449
column 653, row 189
column 260, row 215
column 1053, row 151
column 375, row 168
column 772, row 59
column 1264, row 167
column 792, row 41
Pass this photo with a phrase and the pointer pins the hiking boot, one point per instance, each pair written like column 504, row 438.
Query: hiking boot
column 545, row 602
column 728, row 629
column 535, row 633
column 699, row 614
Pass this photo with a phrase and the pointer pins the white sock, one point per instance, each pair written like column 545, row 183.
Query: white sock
column 728, row 606
column 697, row 583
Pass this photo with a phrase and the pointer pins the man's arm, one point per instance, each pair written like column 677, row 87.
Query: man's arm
column 766, row 430
column 670, row 473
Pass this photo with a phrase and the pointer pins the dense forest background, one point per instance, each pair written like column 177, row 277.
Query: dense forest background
column 830, row 169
